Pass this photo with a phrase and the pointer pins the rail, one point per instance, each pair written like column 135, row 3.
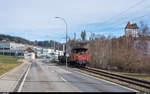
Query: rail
column 130, row 80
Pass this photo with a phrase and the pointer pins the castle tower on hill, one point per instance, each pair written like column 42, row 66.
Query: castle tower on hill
column 132, row 30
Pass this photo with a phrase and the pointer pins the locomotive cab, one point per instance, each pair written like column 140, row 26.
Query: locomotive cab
column 79, row 51
column 79, row 56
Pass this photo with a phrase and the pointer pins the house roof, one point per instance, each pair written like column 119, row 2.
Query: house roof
column 29, row 49
column 131, row 26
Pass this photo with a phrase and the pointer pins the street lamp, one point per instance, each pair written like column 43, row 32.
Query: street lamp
column 66, row 35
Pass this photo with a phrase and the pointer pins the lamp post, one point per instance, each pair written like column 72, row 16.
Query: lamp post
column 66, row 36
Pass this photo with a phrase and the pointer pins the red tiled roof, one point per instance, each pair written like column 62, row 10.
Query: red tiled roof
column 131, row 26
column 29, row 50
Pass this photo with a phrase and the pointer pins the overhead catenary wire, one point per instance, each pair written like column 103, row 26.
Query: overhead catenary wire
column 115, row 26
column 123, row 12
column 121, row 19
column 141, row 9
column 126, row 10
column 124, row 20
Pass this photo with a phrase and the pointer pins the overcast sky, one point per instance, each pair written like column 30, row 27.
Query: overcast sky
column 34, row 19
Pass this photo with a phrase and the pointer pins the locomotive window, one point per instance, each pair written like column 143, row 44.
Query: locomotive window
column 79, row 51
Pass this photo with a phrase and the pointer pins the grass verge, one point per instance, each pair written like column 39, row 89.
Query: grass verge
column 142, row 76
column 7, row 63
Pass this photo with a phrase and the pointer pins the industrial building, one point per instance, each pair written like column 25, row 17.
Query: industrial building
column 27, row 51
column 11, row 48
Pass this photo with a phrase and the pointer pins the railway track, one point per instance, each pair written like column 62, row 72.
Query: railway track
column 130, row 80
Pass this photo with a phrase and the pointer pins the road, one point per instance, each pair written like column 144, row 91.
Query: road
column 47, row 77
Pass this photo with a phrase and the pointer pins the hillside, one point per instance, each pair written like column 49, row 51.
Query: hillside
column 14, row 39
column 47, row 44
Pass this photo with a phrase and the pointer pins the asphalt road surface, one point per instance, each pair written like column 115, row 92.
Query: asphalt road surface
column 47, row 77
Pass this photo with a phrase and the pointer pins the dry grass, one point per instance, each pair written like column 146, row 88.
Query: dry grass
column 142, row 76
column 136, row 75
column 7, row 63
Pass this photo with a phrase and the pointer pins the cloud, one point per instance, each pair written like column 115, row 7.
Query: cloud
column 33, row 19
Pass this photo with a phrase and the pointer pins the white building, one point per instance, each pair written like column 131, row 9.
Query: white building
column 59, row 53
column 11, row 48
column 43, row 52
column 29, row 54
column 48, row 52
column 38, row 51
column 132, row 30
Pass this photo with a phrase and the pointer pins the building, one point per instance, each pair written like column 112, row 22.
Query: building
column 29, row 53
column 46, row 51
column 11, row 48
column 38, row 51
column 132, row 30
column 43, row 52
column 59, row 53
column 17, row 49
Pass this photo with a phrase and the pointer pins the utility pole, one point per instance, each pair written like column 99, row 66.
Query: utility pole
column 54, row 46
column 66, row 38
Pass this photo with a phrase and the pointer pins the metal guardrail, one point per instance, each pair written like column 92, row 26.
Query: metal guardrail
column 130, row 80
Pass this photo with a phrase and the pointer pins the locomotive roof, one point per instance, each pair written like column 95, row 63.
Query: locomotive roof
column 79, row 48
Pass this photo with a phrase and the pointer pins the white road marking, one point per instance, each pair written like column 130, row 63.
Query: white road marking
column 52, row 71
column 22, row 83
column 63, row 79
column 107, row 81
column 58, row 69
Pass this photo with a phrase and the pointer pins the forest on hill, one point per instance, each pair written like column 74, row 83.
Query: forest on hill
column 46, row 44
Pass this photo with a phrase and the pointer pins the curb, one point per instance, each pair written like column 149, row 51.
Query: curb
column 21, row 78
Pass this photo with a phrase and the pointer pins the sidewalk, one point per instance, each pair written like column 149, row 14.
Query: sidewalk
column 9, row 80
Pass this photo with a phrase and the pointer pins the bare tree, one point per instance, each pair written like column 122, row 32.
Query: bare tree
column 119, row 54
column 83, row 35
column 92, row 36
column 144, row 30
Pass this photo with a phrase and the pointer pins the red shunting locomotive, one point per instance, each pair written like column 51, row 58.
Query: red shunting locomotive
column 79, row 57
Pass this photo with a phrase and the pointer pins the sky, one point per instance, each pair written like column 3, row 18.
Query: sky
column 34, row 19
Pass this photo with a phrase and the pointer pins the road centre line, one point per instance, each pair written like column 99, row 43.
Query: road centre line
column 63, row 79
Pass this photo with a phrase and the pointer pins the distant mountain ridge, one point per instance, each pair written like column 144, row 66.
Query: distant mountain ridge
column 14, row 39
column 46, row 44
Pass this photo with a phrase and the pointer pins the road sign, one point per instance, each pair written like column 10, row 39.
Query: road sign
column 67, row 54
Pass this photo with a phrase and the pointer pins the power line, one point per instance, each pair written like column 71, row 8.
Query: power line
column 131, row 7
column 114, row 22
column 122, row 22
